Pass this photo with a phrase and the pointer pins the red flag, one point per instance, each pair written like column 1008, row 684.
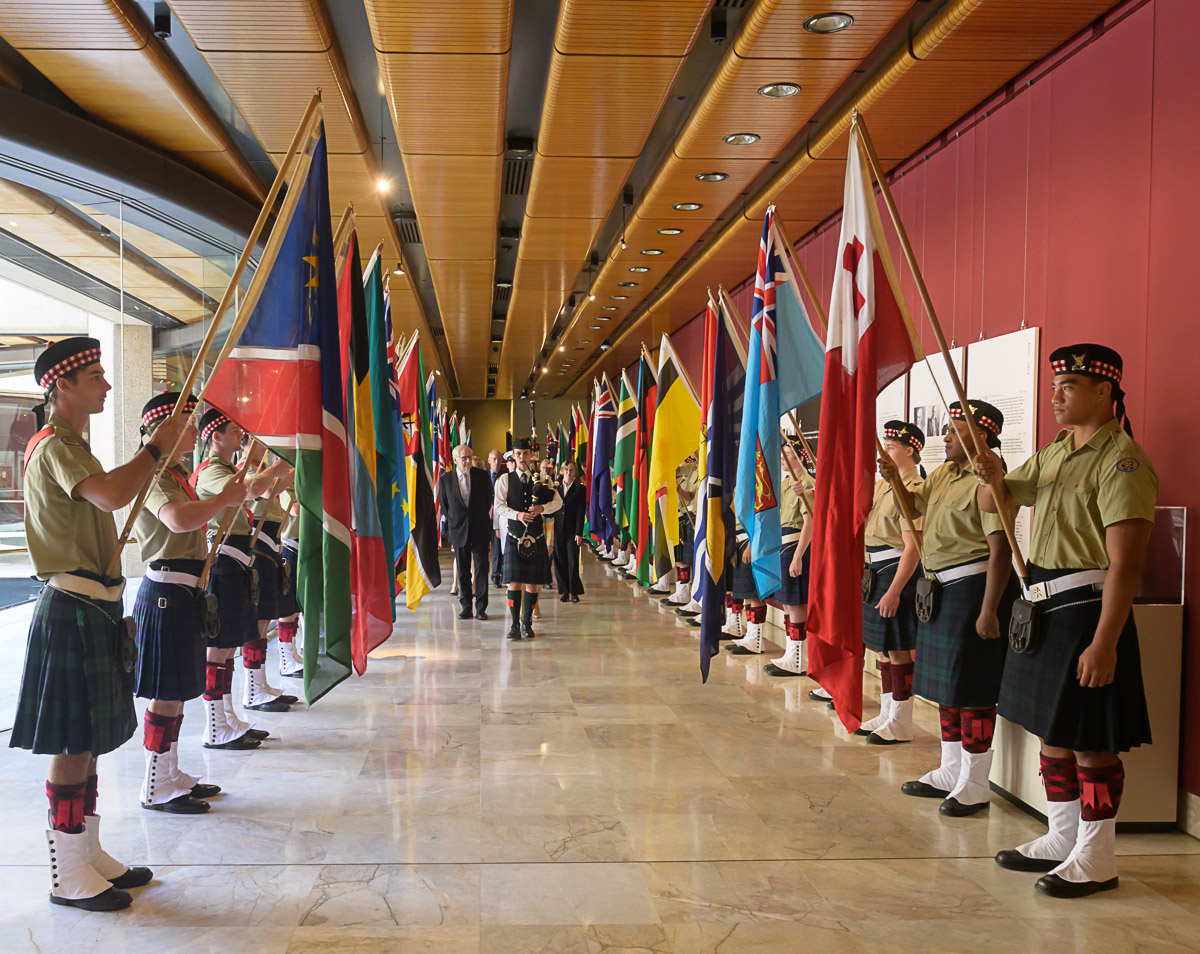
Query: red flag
column 870, row 343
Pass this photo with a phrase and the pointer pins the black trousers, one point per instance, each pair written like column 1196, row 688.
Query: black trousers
column 497, row 561
column 566, row 565
column 464, row 557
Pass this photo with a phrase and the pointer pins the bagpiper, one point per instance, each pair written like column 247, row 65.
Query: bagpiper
column 521, row 504
column 964, row 600
column 76, row 697
column 889, row 588
column 172, row 615
column 1073, row 675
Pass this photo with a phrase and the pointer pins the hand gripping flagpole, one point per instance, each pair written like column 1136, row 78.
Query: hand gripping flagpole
column 226, row 519
column 997, row 487
column 295, row 159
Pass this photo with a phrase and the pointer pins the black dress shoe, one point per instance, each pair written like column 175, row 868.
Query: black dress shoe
column 876, row 739
column 239, row 744
column 258, row 734
column 275, row 705
column 290, row 700
column 686, row 612
column 740, row 651
column 1013, row 860
column 202, row 791
column 772, row 670
column 114, row 899
column 132, row 878
column 527, row 631
column 481, row 615
column 816, row 696
column 920, row 789
column 564, row 598
column 464, row 614
column 179, row 805
column 574, row 599
column 692, row 621
column 956, row 809
column 514, row 631
column 1053, row 886
column 830, row 705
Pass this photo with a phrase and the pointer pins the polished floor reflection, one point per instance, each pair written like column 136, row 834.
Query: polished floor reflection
column 582, row 792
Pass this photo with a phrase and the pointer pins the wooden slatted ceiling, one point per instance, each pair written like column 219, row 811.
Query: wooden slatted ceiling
column 102, row 55
column 270, row 56
column 969, row 50
column 819, row 64
column 444, row 68
column 604, row 91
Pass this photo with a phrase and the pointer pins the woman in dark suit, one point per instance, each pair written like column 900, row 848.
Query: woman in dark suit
column 568, row 535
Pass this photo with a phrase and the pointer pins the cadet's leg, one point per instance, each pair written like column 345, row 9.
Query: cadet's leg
column 1060, row 778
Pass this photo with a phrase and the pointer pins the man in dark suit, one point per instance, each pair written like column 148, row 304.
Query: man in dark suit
column 466, row 498
column 568, row 535
column 496, row 467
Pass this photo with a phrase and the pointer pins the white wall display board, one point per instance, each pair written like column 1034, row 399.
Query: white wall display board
column 1004, row 371
column 925, row 407
column 892, row 404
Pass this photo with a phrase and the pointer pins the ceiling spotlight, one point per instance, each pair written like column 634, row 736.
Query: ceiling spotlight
column 628, row 284
column 604, row 346
column 608, row 307
column 670, row 231
column 562, row 347
column 712, row 177
column 652, row 251
column 828, row 22
column 576, row 349
column 383, row 185
column 437, row 372
column 638, row 268
column 742, row 139
column 594, row 327
column 623, row 245
column 13, row 225
column 544, row 370
column 591, row 297
column 779, row 90
column 618, row 297
column 604, row 317
column 686, row 206
column 399, row 269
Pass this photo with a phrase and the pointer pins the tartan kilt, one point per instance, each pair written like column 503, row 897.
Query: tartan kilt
column 270, row 582
column 742, row 585
column 230, row 583
column 75, row 696
column 794, row 591
column 171, row 646
column 687, row 542
column 519, row 570
column 954, row 667
column 898, row 634
column 289, row 603
column 1040, row 693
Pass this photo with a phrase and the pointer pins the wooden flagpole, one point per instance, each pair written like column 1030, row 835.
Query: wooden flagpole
column 294, row 155
column 729, row 313
column 226, row 519
column 997, row 487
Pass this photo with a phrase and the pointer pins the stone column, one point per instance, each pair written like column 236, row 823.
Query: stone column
column 127, row 358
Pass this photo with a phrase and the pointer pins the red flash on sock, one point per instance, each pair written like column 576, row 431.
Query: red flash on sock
column 254, row 653
column 756, row 614
column 885, row 676
column 1060, row 778
column 156, row 731
column 212, row 680
column 902, row 681
column 91, row 792
column 685, row 574
column 1100, row 788
column 66, row 806
column 287, row 631
column 950, row 718
column 978, row 726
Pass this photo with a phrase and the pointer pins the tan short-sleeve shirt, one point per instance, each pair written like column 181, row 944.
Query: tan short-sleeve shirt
column 1077, row 493
column 63, row 531
column 157, row 542
column 956, row 530
column 885, row 522
column 210, row 481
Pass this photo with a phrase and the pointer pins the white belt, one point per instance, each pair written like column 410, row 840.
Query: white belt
column 794, row 537
column 1072, row 581
column 959, row 572
column 269, row 541
column 167, row 576
column 289, row 542
column 881, row 555
column 235, row 553
column 85, row 587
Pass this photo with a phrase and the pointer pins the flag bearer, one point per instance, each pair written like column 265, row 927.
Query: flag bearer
column 889, row 588
column 76, row 696
column 521, row 504
column 268, row 561
column 796, row 520
column 291, row 656
column 231, row 583
column 1080, row 690
column 687, row 479
column 745, row 599
column 971, row 588
column 171, row 637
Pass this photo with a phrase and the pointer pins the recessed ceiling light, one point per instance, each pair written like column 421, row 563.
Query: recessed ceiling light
column 652, row 251
column 618, row 297
column 742, row 139
column 585, row 340
column 628, row 284
column 638, row 268
column 604, row 317
column 609, row 307
column 686, row 206
column 577, row 349
column 562, row 347
column 828, row 22
column 544, row 370
column 382, row 185
column 594, row 327
column 13, row 225
column 712, row 177
column 779, row 90
column 670, row 231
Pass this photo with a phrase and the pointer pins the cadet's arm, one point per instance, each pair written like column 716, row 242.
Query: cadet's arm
column 1126, row 543
column 184, row 516
column 998, row 571
column 116, row 488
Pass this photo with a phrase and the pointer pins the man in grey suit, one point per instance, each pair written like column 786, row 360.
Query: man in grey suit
column 465, row 494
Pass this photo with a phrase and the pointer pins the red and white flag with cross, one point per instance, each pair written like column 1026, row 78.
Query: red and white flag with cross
column 870, row 343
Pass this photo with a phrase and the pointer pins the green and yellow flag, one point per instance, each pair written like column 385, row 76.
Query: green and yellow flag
column 676, row 438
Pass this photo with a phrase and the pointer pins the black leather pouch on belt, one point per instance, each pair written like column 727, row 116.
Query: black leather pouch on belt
column 1024, row 627
column 929, row 598
column 869, row 581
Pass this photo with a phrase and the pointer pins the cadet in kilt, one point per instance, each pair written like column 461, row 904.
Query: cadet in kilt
column 960, row 653
column 746, row 598
column 889, row 607
column 267, row 561
column 795, row 516
column 290, row 662
column 221, row 440
column 1080, row 690
column 171, row 639
column 76, row 695
column 520, row 505
column 687, row 479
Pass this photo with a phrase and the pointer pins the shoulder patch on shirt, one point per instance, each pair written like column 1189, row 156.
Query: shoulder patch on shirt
column 1127, row 465
column 72, row 441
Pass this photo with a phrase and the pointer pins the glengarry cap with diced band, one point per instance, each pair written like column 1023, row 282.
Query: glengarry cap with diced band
column 211, row 420
column 1092, row 360
column 987, row 416
column 903, row 432
column 63, row 357
column 161, row 405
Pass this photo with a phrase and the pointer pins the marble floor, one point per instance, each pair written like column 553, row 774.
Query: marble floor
column 583, row 792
